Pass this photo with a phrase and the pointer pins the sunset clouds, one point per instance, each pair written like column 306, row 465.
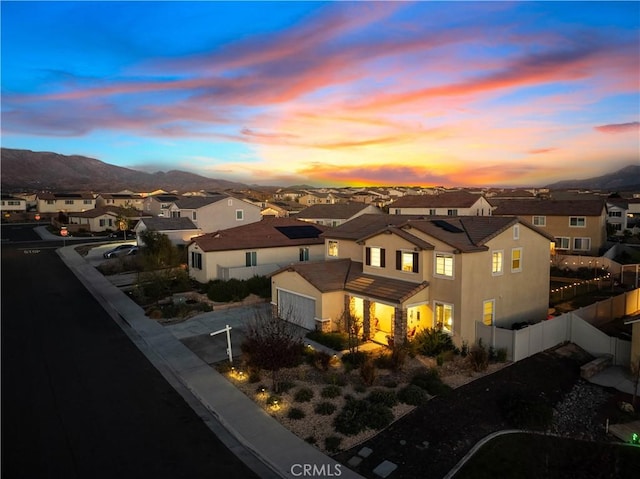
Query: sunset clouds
column 337, row 93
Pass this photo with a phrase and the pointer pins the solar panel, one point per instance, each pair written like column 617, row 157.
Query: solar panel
column 299, row 232
column 447, row 226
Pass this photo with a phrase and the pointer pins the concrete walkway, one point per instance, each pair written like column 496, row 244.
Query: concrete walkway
column 614, row 377
column 284, row 453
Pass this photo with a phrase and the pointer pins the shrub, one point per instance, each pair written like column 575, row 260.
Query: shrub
column 390, row 383
column 260, row 286
column 254, row 374
column 464, row 350
column 295, row 413
column 303, row 395
column 394, row 359
column 331, row 391
column 525, row 412
column 325, row 408
column 379, row 416
column 413, row 395
column 227, row 291
column 354, row 359
column 335, row 341
column 383, row 396
column 284, row 386
column 332, row 443
column 432, row 342
column 478, row 357
column 501, row 355
column 321, row 360
column 368, row 372
column 359, row 388
column 430, row 381
column 358, row 415
column 310, row 439
column 336, row 379
column 383, row 360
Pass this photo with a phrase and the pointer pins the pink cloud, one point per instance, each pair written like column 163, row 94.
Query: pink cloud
column 540, row 151
column 633, row 126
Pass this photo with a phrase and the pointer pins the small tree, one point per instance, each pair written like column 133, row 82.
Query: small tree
column 272, row 343
column 159, row 251
column 353, row 326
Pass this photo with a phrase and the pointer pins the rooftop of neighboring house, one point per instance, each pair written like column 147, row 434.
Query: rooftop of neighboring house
column 339, row 211
column 347, row 275
column 195, row 202
column 591, row 207
column 165, row 198
column 158, row 223
column 365, row 225
column 270, row 232
column 65, row 196
column 11, row 197
column 120, row 196
column 103, row 210
column 513, row 194
column 449, row 199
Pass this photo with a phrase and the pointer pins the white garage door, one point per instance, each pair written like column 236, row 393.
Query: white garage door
column 297, row 309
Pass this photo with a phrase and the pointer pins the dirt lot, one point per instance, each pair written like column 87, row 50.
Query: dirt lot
column 430, row 440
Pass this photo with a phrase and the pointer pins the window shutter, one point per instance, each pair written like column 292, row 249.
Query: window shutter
column 415, row 262
column 367, row 255
column 383, row 259
column 398, row 260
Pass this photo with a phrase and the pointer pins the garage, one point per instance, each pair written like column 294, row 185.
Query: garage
column 297, row 309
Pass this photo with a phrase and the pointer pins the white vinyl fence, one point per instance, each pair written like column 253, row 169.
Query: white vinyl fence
column 576, row 327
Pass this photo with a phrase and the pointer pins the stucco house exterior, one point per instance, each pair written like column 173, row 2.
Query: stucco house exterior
column 103, row 218
column 578, row 226
column 410, row 273
column 123, row 200
column 336, row 214
column 12, row 204
column 215, row 212
column 65, row 202
column 179, row 230
column 159, row 204
column 450, row 203
column 256, row 249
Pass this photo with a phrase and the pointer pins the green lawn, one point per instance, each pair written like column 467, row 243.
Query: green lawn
column 516, row 456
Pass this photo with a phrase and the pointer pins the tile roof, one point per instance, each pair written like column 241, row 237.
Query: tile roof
column 450, row 199
column 346, row 275
column 103, row 210
column 65, row 196
column 262, row 234
column 586, row 207
column 341, row 211
column 195, row 202
column 158, row 223
column 367, row 224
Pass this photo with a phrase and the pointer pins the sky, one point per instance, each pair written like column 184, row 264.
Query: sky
column 328, row 93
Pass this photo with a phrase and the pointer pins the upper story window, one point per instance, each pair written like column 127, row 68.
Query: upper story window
column 239, row 215
column 577, row 221
column 452, row 212
column 175, row 214
column 581, row 244
column 397, row 211
column 304, row 254
column 516, row 232
column 539, row 221
column 444, row 265
column 51, row 202
column 375, row 257
column 332, row 248
column 432, row 211
column 562, row 242
column 12, row 203
column 164, row 206
column 68, row 202
column 497, row 258
column 251, row 258
column 88, row 202
column 516, row 260
column 615, row 214
column 407, row 261
column 194, row 216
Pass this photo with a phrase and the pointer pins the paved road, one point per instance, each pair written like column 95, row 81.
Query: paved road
column 79, row 400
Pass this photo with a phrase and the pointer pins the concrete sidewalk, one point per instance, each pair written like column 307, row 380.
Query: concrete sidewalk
column 274, row 446
column 614, row 377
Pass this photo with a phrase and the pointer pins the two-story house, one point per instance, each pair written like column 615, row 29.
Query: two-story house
column 336, row 214
column 121, row 200
column 450, row 203
column 255, row 249
column 65, row 202
column 216, row 212
column 318, row 198
column 159, row 204
column 578, row 226
column 12, row 204
column 104, row 218
column 406, row 274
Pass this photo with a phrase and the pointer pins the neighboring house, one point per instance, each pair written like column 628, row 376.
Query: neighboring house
column 12, row 204
column 617, row 210
column 579, row 226
column 256, row 249
column 103, row 218
column 179, row 230
column 158, row 205
column 337, row 214
column 215, row 212
column 122, row 200
column 410, row 274
column 288, row 195
column 317, row 198
column 451, row 203
column 65, row 202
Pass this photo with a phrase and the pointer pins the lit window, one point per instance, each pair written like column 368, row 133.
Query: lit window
column 239, row 215
column 444, row 265
column 562, row 242
column 407, row 261
column 251, row 258
column 333, row 248
column 540, row 221
column 496, row 262
column 443, row 317
column 581, row 244
column 488, row 312
column 375, row 257
column 577, row 221
column 516, row 260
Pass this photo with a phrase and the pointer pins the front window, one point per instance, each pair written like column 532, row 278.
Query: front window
column 577, row 221
column 443, row 317
column 432, row 211
column 239, row 215
column 539, row 221
column 407, row 261
column 398, row 211
column 444, row 265
column 51, row 202
column 496, row 262
column 68, row 202
column 103, row 222
column 333, row 248
column 516, row 260
column 87, row 202
column 375, row 257
column 581, row 244
column 304, row 254
column 488, row 312
column 562, row 242
column 251, row 258
column 196, row 260
column 452, row 212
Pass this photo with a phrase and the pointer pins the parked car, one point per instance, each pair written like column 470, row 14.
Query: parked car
column 120, row 250
column 132, row 251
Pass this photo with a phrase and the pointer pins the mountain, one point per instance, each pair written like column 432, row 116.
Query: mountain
column 626, row 179
column 28, row 170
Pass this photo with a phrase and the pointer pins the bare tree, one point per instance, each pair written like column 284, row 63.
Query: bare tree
column 272, row 343
column 353, row 327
